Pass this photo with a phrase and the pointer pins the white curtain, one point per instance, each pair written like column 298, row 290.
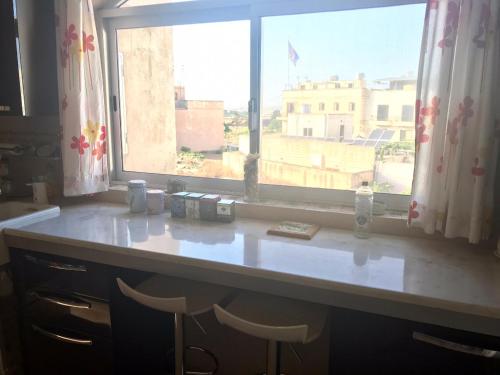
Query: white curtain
column 82, row 111
column 457, row 119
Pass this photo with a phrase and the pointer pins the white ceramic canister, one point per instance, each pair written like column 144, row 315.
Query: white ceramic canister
column 156, row 201
column 136, row 197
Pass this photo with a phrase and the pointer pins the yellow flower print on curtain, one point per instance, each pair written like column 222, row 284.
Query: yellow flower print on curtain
column 81, row 95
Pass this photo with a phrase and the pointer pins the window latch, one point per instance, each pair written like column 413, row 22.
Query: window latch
column 252, row 115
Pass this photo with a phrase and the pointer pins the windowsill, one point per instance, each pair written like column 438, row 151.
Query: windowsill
column 336, row 216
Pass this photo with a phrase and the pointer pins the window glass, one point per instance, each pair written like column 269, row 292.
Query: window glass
column 363, row 70
column 382, row 112
column 183, row 98
column 407, row 113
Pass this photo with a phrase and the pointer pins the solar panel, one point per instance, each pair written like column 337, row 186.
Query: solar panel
column 387, row 134
column 375, row 134
column 371, row 143
column 359, row 142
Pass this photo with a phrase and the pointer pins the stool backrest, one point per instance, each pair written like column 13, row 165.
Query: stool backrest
column 175, row 305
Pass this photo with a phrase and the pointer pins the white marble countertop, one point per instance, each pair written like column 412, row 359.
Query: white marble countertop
column 449, row 276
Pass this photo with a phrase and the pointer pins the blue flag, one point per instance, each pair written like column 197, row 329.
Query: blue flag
column 292, row 54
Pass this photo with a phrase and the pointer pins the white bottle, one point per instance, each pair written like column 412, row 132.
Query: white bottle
column 363, row 206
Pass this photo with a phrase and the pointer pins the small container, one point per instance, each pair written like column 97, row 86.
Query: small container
column 226, row 210
column 193, row 205
column 178, row 204
column 208, row 207
column 155, row 201
column 136, row 197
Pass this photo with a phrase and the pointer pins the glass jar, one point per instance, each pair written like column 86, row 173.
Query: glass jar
column 136, row 197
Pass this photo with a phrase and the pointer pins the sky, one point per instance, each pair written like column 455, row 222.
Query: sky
column 213, row 60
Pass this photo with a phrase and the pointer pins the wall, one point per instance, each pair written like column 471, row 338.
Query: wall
column 200, row 125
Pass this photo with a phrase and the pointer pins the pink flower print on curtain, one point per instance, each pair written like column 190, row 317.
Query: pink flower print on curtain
column 81, row 95
column 454, row 173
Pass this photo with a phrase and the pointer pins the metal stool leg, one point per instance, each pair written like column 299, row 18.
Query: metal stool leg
column 179, row 344
column 273, row 357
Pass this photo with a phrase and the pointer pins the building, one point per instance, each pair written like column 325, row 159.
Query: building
column 199, row 124
column 344, row 110
column 333, row 109
column 393, row 108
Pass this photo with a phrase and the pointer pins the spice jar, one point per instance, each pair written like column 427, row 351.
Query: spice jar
column 208, row 207
column 178, row 204
column 193, row 205
column 226, row 210
column 136, row 196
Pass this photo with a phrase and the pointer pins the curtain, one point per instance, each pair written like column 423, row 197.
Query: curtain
column 457, row 119
column 81, row 97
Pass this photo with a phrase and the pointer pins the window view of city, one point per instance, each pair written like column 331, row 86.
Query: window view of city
column 337, row 98
column 183, row 98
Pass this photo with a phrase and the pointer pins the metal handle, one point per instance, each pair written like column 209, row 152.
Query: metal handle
column 62, row 301
column 56, row 265
column 57, row 337
column 454, row 346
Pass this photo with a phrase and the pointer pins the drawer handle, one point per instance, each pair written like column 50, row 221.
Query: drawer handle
column 66, row 339
column 56, row 265
column 456, row 347
column 62, row 301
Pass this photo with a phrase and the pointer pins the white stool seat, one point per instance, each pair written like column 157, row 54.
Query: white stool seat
column 174, row 295
column 274, row 318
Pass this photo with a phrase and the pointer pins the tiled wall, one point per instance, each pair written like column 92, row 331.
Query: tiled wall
column 33, row 132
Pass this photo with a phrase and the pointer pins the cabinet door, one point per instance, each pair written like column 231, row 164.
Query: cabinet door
column 10, row 89
column 56, row 351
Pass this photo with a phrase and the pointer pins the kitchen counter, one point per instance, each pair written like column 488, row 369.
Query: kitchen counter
column 448, row 283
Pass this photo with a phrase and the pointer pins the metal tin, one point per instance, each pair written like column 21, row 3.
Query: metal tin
column 178, row 204
column 193, row 205
column 208, row 207
column 226, row 210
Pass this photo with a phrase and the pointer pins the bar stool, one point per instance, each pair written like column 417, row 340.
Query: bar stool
column 180, row 297
column 275, row 319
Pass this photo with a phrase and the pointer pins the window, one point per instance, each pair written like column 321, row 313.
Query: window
column 183, row 73
column 175, row 108
column 407, row 113
column 402, row 135
column 382, row 112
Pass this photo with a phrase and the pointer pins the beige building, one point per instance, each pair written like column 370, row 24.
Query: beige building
column 393, row 108
column 199, row 123
column 344, row 110
column 334, row 109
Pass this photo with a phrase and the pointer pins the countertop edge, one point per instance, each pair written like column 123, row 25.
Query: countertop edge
column 360, row 291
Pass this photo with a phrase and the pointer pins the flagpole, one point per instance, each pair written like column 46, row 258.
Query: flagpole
column 288, row 65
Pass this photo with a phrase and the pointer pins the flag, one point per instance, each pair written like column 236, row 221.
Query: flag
column 292, row 54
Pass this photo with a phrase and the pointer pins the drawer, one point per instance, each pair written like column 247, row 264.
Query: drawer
column 58, row 351
column 68, row 311
column 42, row 271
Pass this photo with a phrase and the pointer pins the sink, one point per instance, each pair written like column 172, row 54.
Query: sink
column 18, row 214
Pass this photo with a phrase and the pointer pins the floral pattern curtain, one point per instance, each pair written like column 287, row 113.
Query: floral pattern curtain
column 457, row 119
column 82, row 111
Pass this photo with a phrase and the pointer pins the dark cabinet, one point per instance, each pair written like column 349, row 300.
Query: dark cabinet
column 64, row 313
column 10, row 88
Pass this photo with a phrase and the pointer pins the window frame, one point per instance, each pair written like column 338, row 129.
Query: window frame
column 206, row 11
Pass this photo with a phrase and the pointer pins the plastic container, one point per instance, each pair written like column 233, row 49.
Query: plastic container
column 363, row 206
